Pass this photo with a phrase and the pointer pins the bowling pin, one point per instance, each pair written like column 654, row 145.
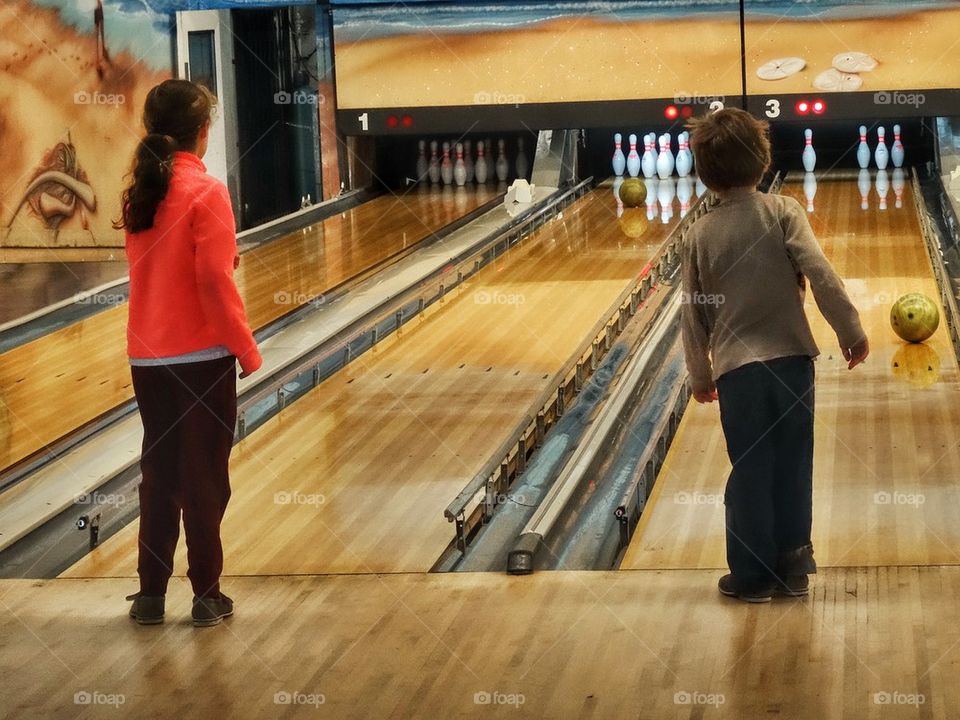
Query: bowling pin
column 896, row 152
column 652, row 189
column 665, row 160
column 883, row 187
column 648, row 163
column 899, row 180
column 809, row 189
column 423, row 165
column 433, row 169
column 863, row 150
column 446, row 166
column 460, row 167
column 809, row 154
column 863, row 185
column 881, row 155
column 468, row 160
column 481, row 169
column 521, row 164
column 619, row 159
column 665, row 193
column 684, row 193
column 502, row 167
column 633, row 159
column 684, row 156
column 617, row 182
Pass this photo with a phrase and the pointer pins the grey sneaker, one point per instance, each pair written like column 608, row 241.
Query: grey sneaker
column 793, row 586
column 209, row 611
column 729, row 586
column 147, row 609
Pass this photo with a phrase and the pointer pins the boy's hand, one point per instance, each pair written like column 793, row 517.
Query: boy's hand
column 705, row 396
column 857, row 354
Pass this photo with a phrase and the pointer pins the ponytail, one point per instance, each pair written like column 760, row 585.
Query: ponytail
column 152, row 169
column 174, row 113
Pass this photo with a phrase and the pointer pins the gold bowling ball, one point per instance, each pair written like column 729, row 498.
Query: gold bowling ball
column 633, row 192
column 917, row 364
column 914, row 317
column 634, row 223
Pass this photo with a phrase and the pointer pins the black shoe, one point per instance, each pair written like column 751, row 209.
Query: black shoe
column 209, row 611
column 147, row 609
column 729, row 586
column 793, row 586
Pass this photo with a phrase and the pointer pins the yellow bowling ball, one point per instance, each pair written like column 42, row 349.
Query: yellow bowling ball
column 633, row 193
column 634, row 222
column 917, row 364
column 914, row 317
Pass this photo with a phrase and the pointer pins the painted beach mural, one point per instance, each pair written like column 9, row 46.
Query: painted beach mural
column 866, row 46
column 533, row 52
column 73, row 77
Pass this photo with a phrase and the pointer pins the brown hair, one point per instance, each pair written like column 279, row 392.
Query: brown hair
column 174, row 113
column 731, row 148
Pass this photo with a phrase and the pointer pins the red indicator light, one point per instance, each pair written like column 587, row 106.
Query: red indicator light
column 392, row 121
column 407, row 121
column 671, row 112
column 686, row 111
column 819, row 106
column 803, row 107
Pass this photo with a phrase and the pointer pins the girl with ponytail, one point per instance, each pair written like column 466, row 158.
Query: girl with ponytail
column 186, row 332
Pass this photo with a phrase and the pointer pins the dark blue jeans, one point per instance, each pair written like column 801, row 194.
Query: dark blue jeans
column 766, row 409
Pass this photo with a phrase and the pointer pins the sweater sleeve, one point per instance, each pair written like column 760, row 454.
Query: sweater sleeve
column 694, row 327
column 827, row 287
column 216, row 248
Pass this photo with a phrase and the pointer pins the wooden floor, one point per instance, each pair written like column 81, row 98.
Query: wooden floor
column 887, row 461
column 371, row 458
column 56, row 383
column 869, row 643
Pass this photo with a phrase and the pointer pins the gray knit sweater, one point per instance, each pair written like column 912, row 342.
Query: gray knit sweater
column 743, row 268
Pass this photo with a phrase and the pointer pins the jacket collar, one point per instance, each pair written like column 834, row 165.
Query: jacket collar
column 189, row 158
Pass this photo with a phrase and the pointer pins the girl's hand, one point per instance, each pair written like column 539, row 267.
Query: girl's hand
column 857, row 354
column 705, row 396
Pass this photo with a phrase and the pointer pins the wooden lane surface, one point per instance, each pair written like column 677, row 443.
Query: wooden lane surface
column 886, row 462
column 632, row 644
column 378, row 450
column 58, row 382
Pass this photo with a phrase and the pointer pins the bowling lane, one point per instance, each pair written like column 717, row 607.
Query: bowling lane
column 355, row 476
column 58, row 382
column 887, row 464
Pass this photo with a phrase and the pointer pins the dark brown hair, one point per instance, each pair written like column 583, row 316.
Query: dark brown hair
column 731, row 148
column 174, row 113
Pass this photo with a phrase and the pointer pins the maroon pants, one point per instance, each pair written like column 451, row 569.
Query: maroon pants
column 188, row 412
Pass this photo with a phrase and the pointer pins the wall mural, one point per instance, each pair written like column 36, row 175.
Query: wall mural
column 73, row 77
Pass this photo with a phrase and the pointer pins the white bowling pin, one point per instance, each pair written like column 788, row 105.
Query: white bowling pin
column 652, row 189
column 619, row 159
column 684, row 156
column 648, row 163
column 809, row 154
column 665, row 193
column 899, row 180
column 446, row 165
column 633, row 159
column 468, row 160
column 481, row 169
column 863, row 150
column 896, row 152
column 521, row 164
column 809, row 189
column 433, row 169
column 423, row 165
column 617, row 182
column 665, row 162
column 684, row 193
column 883, row 187
column 503, row 166
column 881, row 155
column 863, row 185
column 460, row 167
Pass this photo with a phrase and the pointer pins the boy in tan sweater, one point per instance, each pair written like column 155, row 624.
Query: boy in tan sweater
column 748, row 343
